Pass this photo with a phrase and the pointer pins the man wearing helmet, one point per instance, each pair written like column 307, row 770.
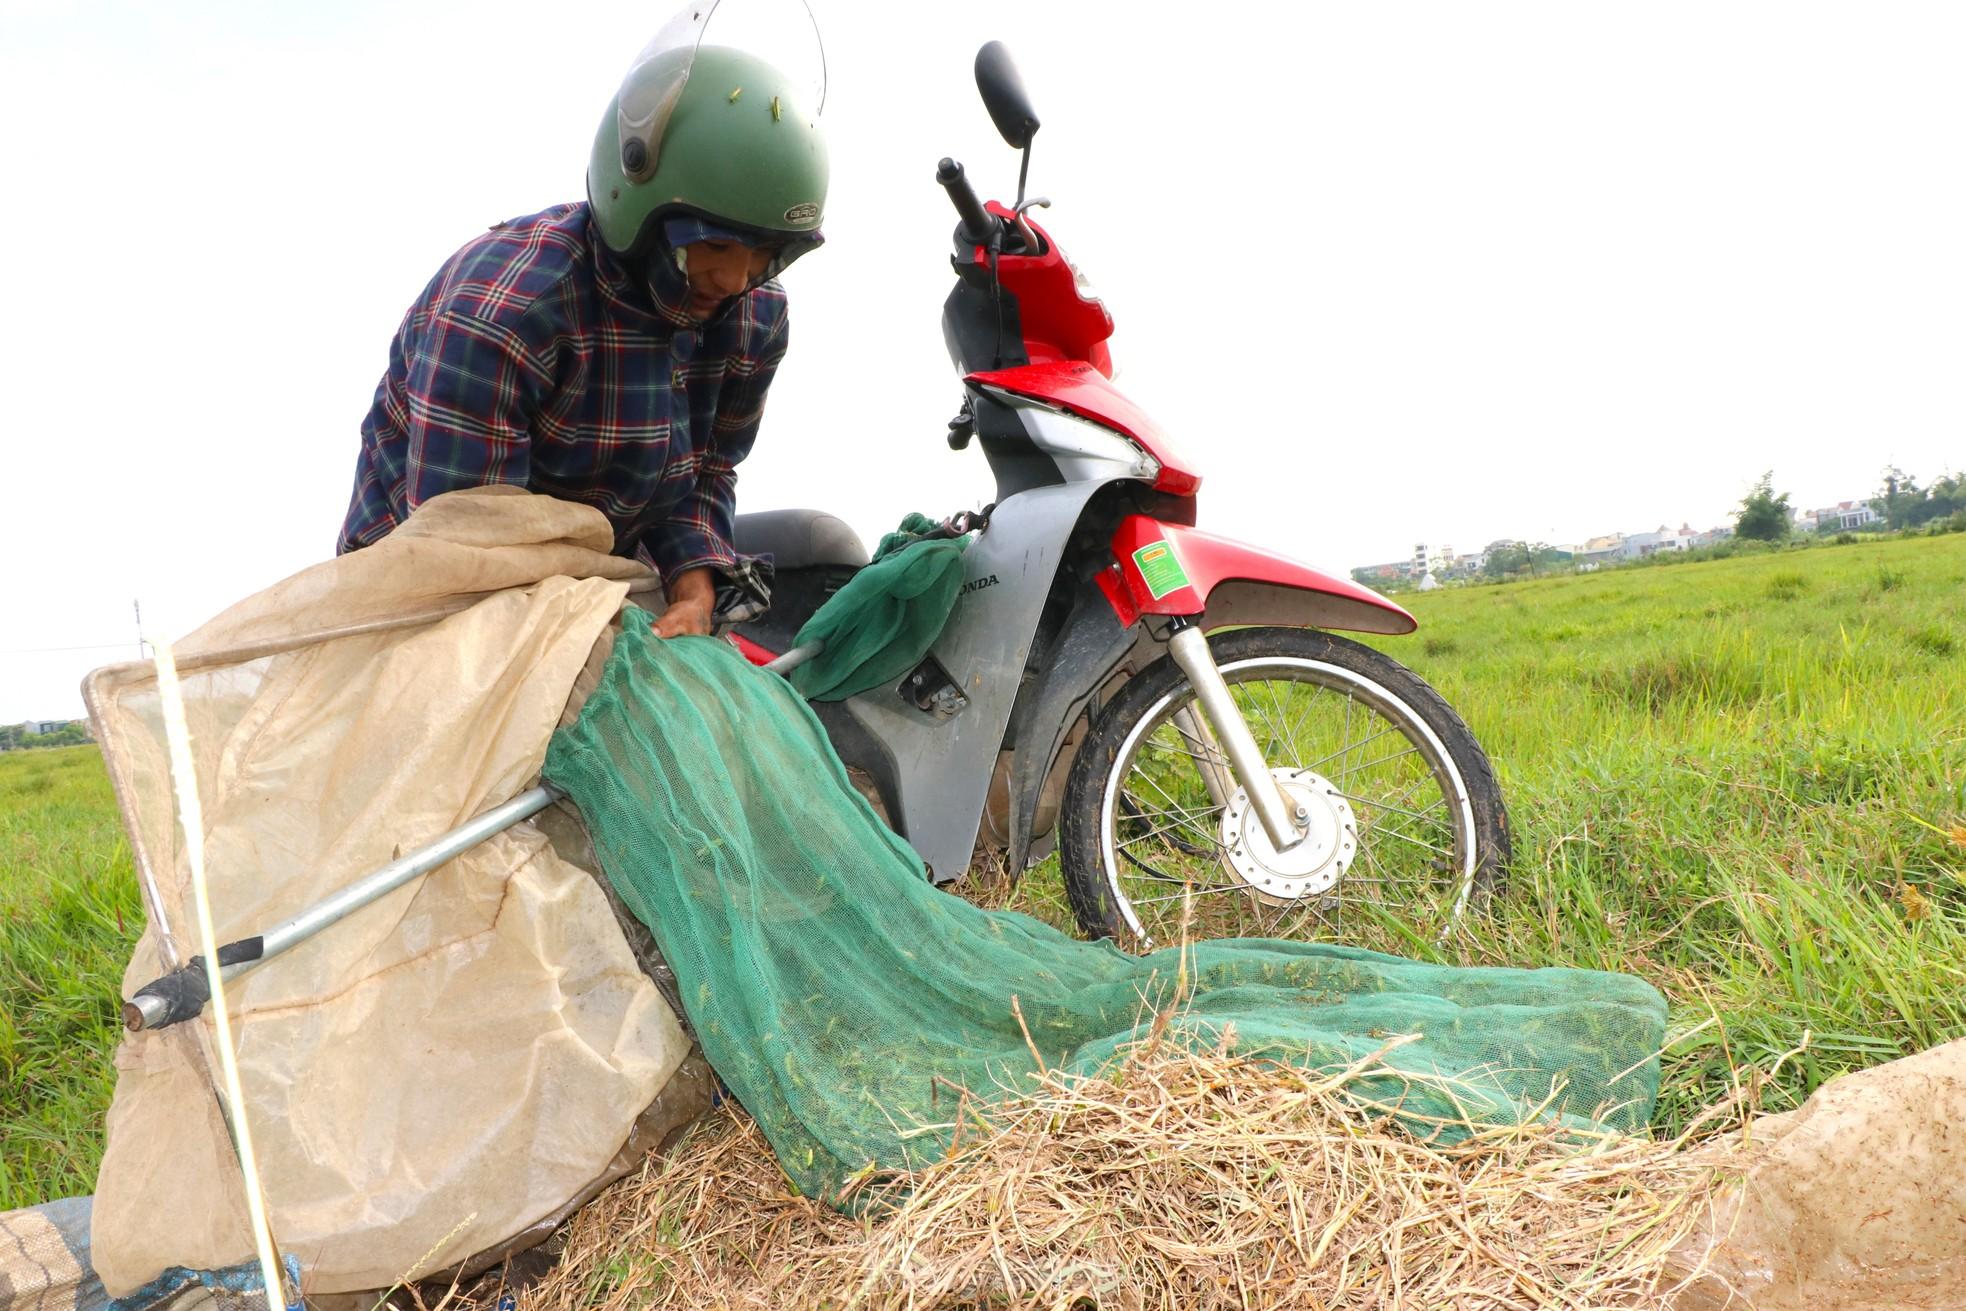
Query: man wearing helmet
column 617, row 352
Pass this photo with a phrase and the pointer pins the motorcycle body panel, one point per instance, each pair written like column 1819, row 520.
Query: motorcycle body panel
column 944, row 765
column 1059, row 321
column 1077, row 661
column 1173, row 569
column 1078, row 388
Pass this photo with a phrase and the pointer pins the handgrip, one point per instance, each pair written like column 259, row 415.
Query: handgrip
column 978, row 223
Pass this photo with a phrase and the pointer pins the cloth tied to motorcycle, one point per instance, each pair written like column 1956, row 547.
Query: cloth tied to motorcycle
column 883, row 621
column 845, row 1000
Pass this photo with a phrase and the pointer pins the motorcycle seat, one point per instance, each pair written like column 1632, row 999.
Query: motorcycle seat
column 798, row 539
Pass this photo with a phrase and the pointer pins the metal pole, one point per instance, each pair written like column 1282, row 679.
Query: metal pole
column 164, row 1001
column 792, row 659
column 1190, row 651
column 167, row 1000
column 337, row 906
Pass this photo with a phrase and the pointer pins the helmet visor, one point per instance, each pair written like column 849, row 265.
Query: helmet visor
column 783, row 33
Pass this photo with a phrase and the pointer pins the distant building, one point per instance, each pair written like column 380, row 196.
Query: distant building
column 1599, row 550
column 1431, row 559
column 1844, row 516
column 1639, row 545
column 1709, row 537
column 1379, row 574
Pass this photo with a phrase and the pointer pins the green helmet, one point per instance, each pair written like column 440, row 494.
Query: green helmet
column 712, row 132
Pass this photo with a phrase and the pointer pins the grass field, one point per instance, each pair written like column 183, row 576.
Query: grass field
column 69, row 914
column 1744, row 780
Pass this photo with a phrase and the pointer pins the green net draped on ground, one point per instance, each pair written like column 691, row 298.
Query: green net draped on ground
column 846, row 1001
column 880, row 625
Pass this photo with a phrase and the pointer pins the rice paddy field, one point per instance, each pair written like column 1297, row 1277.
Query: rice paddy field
column 1743, row 779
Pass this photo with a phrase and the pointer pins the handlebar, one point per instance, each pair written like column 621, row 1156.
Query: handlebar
column 978, row 223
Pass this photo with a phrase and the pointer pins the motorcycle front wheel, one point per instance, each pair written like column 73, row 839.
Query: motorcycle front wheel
column 1406, row 828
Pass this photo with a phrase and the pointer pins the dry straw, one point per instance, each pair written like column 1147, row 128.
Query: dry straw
column 1183, row 1180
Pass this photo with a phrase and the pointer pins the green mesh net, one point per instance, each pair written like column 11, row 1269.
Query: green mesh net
column 847, row 1002
column 880, row 625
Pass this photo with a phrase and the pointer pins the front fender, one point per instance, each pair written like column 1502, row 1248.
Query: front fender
column 1170, row 569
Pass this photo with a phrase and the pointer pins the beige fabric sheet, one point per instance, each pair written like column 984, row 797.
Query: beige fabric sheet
column 449, row 1065
column 1854, row 1202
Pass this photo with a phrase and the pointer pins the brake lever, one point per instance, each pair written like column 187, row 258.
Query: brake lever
column 1023, row 227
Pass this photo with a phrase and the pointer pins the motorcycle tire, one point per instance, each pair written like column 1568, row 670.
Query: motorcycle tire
column 1158, row 844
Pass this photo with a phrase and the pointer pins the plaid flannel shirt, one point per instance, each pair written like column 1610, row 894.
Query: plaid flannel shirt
column 535, row 357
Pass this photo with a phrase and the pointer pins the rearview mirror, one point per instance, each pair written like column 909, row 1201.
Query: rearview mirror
column 1003, row 95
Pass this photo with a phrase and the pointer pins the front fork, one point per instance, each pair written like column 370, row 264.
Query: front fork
column 1221, row 731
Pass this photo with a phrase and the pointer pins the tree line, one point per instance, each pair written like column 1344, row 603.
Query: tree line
column 15, row 738
column 1767, row 516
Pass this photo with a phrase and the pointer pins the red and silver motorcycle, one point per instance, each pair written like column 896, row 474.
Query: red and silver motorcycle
column 1156, row 703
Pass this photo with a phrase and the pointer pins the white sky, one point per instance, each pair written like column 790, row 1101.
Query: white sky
column 1390, row 272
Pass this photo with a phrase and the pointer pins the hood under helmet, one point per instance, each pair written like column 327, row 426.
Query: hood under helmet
column 701, row 143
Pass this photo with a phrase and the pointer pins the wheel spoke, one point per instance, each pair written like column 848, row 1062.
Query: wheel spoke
column 1154, row 783
column 1165, row 858
column 1165, row 828
column 1347, row 772
column 1273, row 725
column 1419, row 781
column 1371, row 860
column 1317, row 693
column 1197, row 758
column 1190, row 892
column 1205, row 756
column 1345, row 750
column 1269, row 925
column 1136, row 811
column 1381, row 805
column 1395, row 833
column 1203, row 834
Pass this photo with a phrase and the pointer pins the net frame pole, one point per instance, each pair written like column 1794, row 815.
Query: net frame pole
column 161, row 1002
column 152, row 1007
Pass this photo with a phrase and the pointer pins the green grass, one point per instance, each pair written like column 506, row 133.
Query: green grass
column 1740, row 779
column 69, row 914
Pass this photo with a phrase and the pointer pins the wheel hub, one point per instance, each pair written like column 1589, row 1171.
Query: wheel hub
column 1309, row 867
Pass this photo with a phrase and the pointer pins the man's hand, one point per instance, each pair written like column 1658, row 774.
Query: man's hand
column 692, row 597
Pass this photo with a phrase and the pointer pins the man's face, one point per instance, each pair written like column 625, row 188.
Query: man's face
column 717, row 271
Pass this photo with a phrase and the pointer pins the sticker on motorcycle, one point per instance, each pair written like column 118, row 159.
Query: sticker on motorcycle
column 1160, row 569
